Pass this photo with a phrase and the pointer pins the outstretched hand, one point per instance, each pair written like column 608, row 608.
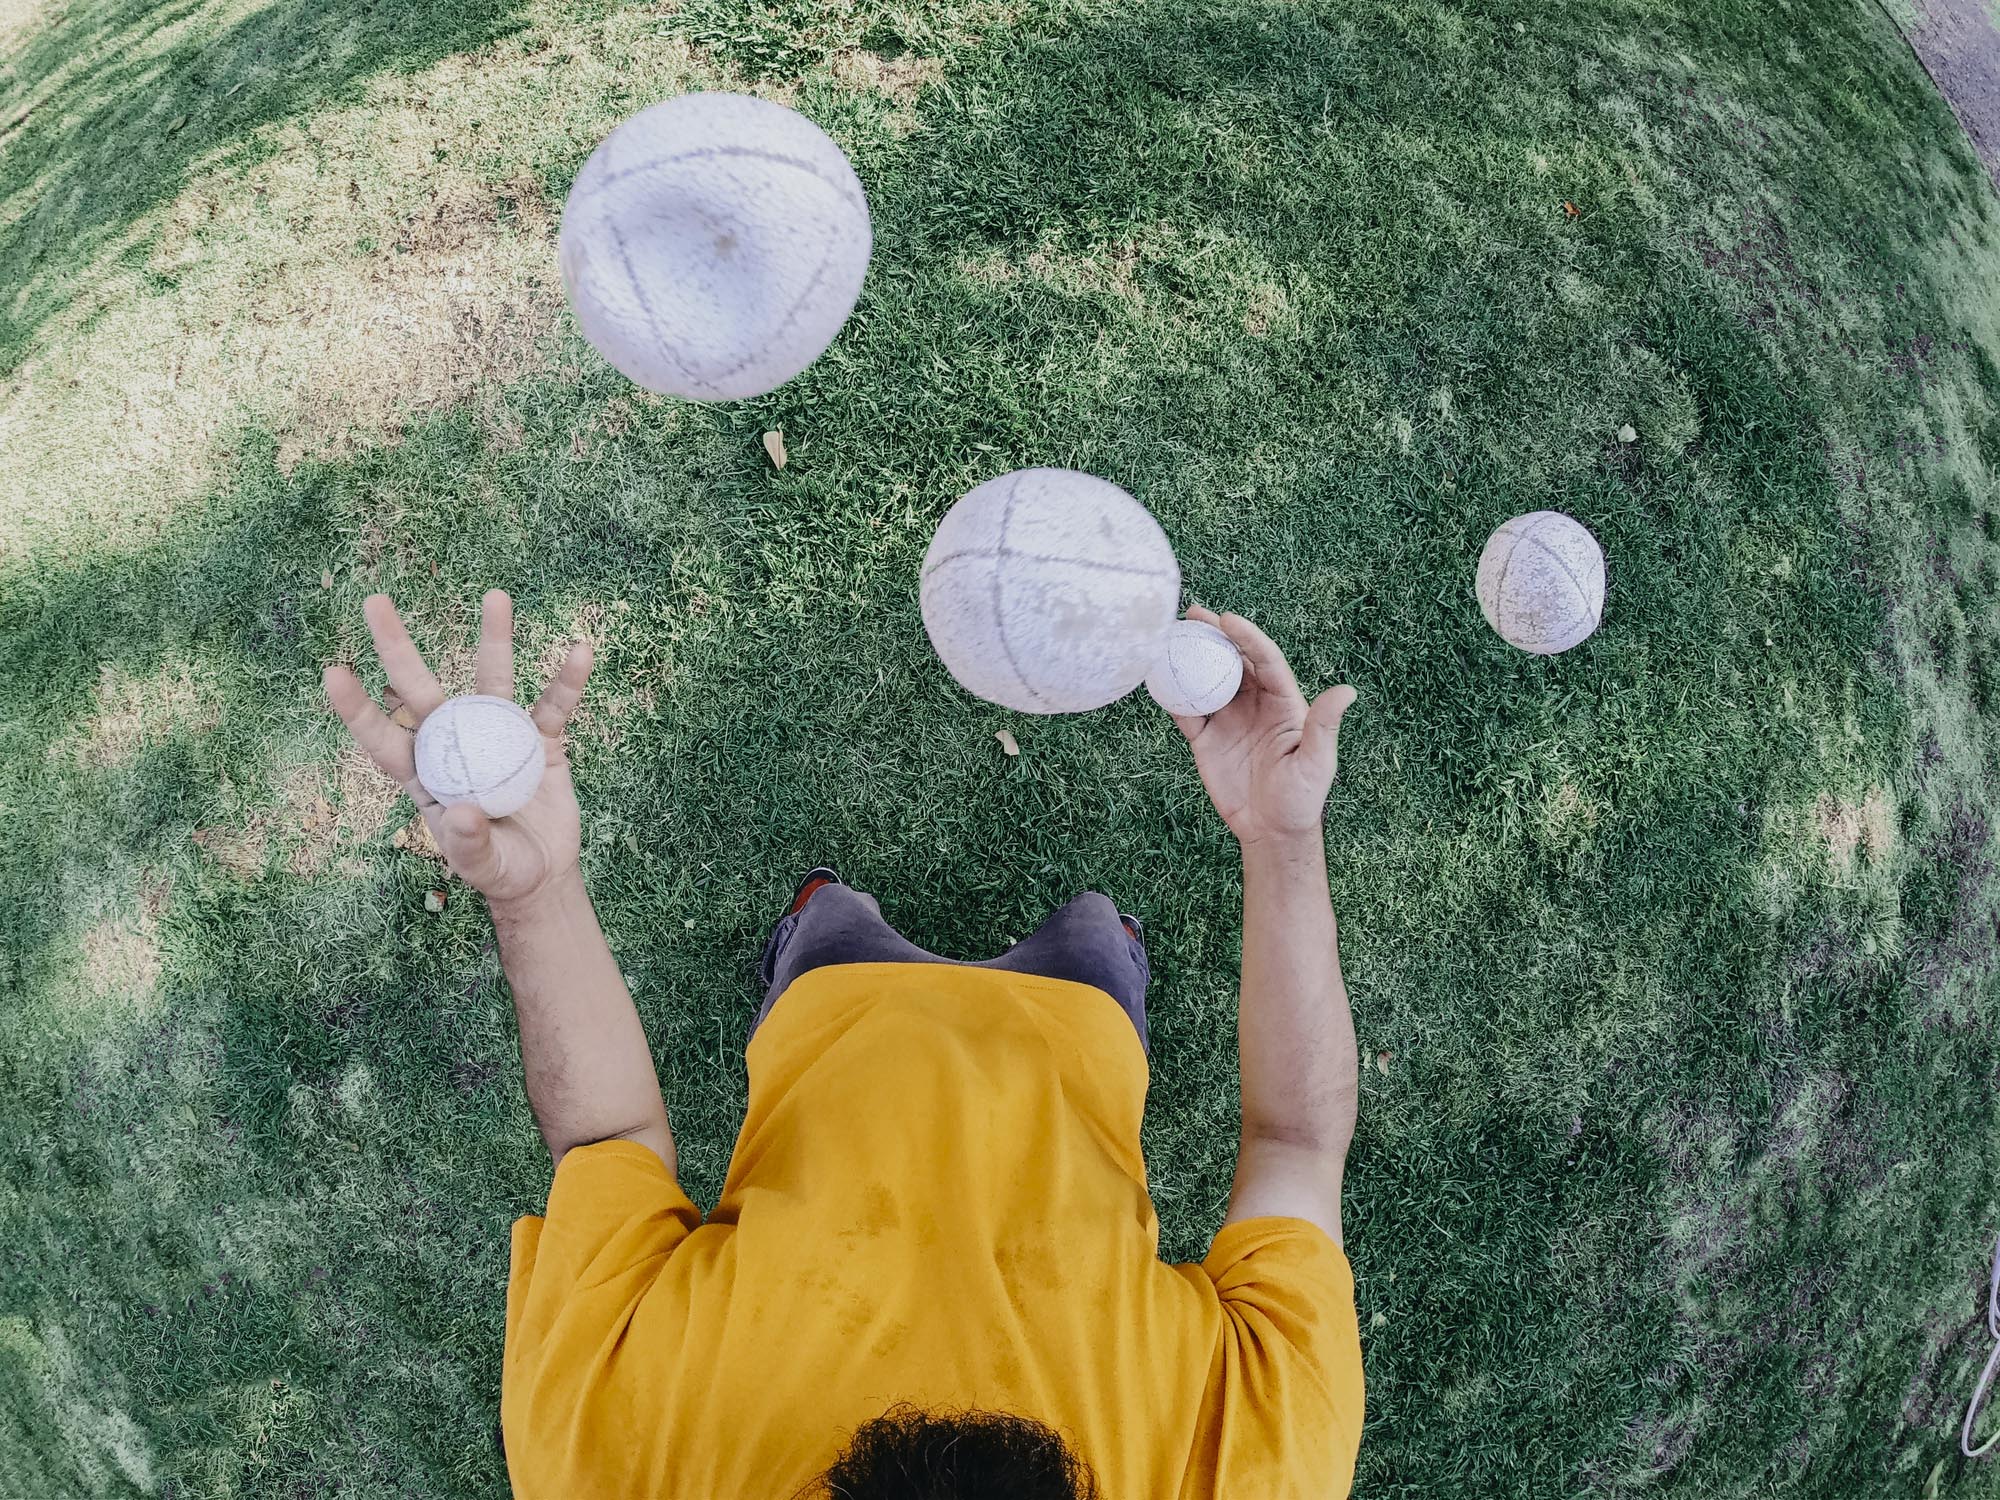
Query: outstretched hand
column 1267, row 758
column 510, row 858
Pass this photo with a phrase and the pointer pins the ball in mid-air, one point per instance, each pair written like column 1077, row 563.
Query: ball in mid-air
column 1198, row 672
column 481, row 749
column 1049, row 591
column 1541, row 582
column 713, row 245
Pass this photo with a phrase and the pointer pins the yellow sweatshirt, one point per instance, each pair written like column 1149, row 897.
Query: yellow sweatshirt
column 937, row 1197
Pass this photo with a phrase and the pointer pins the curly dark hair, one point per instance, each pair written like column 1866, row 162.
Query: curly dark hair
column 908, row 1453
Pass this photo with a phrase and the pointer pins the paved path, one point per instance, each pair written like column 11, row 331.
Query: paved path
column 1960, row 47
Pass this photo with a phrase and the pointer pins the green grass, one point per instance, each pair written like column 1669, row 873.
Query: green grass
column 1681, row 947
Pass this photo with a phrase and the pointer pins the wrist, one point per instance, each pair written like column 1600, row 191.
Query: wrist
column 1285, row 848
column 558, row 891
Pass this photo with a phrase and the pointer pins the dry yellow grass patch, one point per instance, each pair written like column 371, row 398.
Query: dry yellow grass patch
column 1268, row 310
column 1568, row 814
column 1099, row 269
column 18, row 18
column 379, row 262
column 121, row 958
column 241, row 851
column 325, row 816
column 131, row 711
column 1868, row 825
column 898, row 78
column 320, row 819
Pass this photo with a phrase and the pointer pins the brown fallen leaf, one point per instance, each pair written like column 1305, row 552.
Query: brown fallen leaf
column 1007, row 743
column 1570, row 208
column 434, row 568
column 774, row 444
column 403, row 716
column 433, row 900
column 1382, row 1062
column 415, row 836
column 326, row 578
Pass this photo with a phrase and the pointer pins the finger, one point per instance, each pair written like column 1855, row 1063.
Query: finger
column 1190, row 726
column 1205, row 615
column 1321, row 739
column 565, row 690
column 389, row 746
column 408, row 675
column 494, row 672
column 1261, row 657
column 465, row 834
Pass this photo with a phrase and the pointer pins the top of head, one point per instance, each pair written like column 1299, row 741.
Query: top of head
column 713, row 245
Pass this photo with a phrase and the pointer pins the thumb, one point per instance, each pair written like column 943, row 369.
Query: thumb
column 466, row 835
column 1321, row 740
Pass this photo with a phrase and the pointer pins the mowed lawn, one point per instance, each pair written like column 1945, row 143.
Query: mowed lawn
column 1675, row 960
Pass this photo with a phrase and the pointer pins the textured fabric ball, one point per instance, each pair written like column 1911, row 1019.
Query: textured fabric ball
column 1541, row 582
column 483, row 750
column 1049, row 591
column 1198, row 672
column 713, row 245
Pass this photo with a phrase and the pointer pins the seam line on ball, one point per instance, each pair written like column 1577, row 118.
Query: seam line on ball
column 457, row 752
column 810, row 168
column 1043, row 557
column 526, row 760
column 1582, row 593
column 646, row 306
column 999, row 616
column 791, row 317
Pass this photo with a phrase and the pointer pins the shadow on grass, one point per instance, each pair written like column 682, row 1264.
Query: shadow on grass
column 82, row 163
column 1368, row 172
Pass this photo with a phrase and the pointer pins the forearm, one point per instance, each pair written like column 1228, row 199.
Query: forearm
column 1294, row 1033
column 587, row 1067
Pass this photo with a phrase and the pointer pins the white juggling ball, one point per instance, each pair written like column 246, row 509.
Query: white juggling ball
column 1198, row 672
column 1049, row 591
column 713, row 245
column 1541, row 582
column 483, row 750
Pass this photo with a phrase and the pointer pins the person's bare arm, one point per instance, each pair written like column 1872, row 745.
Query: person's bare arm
column 1268, row 760
column 1295, row 1039
column 588, row 1070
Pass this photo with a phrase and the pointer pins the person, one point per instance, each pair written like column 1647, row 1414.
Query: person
column 933, row 1269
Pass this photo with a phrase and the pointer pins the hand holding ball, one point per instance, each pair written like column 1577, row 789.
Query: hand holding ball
column 1049, row 591
column 713, row 245
column 1198, row 672
column 481, row 750
column 1541, row 582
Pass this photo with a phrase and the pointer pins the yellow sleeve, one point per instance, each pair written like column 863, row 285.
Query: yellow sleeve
column 1284, row 1412
column 576, row 1275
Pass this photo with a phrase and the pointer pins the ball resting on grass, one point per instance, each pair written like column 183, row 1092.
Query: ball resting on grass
column 482, row 750
column 1049, row 591
column 1198, row 672
column 713, row 245
column 1541, row 582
